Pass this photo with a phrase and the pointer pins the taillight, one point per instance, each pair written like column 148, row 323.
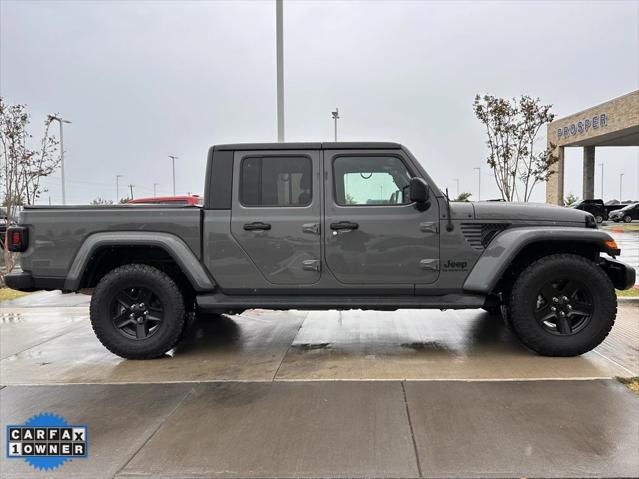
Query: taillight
column 17, row 239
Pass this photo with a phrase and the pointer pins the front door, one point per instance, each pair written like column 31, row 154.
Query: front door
column 276, row 213
column 372, row 232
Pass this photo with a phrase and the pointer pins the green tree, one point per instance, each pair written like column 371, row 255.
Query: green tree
column 512, row 130
column 570, row 199
column 463, row 196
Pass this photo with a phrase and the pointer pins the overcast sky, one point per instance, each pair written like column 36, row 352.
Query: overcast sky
column 143, row 80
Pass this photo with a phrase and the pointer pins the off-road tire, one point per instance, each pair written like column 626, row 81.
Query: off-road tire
column 524, row 297
column 138, row 275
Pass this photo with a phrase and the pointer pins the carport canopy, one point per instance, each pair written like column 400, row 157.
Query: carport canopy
column 613, row 123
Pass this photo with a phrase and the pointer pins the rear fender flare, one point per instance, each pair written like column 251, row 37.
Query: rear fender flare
column 174, row 246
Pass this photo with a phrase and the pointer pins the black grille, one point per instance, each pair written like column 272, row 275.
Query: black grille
column 479, row 235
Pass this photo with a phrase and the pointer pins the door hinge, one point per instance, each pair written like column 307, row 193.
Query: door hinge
column 311, row 265
column 313, row 228
column 429, row 264
column 429, row 227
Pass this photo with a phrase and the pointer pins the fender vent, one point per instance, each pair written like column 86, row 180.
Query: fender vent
column 479, row 235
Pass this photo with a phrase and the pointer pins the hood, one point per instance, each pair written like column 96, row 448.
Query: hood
column 528, row 212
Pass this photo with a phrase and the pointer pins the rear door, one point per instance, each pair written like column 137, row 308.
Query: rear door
column 372, row 232
column 275, row 215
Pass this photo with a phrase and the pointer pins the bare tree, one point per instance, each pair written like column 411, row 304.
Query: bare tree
column 512, row 128
column 21, row 167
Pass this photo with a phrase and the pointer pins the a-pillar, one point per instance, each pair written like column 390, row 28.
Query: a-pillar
column 588, row 190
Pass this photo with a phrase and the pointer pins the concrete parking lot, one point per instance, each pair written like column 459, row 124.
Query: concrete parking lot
column 324, row 394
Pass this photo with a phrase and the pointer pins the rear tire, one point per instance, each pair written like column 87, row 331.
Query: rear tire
column 137, row 312
column 599, row 219
column 627, row 218
column 562, row 305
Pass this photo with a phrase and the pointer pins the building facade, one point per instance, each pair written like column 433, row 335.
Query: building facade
column 613, row 123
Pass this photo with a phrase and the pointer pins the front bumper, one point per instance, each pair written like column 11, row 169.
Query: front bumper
column 621, row 275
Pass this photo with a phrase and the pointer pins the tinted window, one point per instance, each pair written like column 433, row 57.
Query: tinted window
column 372, row 180
column 276, row 181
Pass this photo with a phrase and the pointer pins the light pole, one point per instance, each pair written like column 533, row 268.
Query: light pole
column 335, row 115
column 131, row 188
column 602, row 178
column 173, row 158
column 620, row 187
column 61, row 120
column 279, row 49
column 155, row 189
column 457, row 181
column 117, row 188
column 479, row 183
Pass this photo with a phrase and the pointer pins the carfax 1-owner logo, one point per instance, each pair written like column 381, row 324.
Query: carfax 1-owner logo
column 47, row 441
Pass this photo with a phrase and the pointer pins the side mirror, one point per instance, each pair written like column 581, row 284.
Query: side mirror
column 419, row 191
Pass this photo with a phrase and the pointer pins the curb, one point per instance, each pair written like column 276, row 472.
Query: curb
column 627, row 300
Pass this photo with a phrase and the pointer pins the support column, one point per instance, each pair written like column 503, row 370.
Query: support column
column 555, row 184
column 588, row 190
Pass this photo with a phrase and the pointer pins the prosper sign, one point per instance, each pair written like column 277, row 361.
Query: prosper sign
column 582, row 126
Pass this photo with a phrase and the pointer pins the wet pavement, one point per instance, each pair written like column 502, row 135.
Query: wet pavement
column 57, row 346
column 324, row 394
column 341, row 429
column 628, row 242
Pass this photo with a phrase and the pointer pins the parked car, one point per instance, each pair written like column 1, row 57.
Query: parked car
column 168, row 200
column 324, row 226
column 613, row 205
column 594, row 207
column 626, row 214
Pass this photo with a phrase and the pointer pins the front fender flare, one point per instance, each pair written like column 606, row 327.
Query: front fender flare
column 503, row 249
column 174, row 246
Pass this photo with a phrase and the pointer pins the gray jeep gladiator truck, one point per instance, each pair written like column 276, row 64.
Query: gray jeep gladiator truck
column 323, row 226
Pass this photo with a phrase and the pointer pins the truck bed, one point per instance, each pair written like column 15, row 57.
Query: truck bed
column 57, row 232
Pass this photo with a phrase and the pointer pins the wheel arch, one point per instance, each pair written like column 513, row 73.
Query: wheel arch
column 514, row 249
column 104, row 251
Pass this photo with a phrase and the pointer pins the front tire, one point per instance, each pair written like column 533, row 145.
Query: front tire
column 563, row 305
column 599, row 219
column 137, row 312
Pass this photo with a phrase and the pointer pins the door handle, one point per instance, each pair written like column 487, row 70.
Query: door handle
column 344, row 225
column 256, row 226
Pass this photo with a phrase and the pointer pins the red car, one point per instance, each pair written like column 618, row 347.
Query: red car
column 169, row 200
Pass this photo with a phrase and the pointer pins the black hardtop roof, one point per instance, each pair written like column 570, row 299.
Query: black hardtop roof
column 340, row 145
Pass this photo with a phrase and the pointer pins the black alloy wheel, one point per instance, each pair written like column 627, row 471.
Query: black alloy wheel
column 137, row 313
column 563, row 306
